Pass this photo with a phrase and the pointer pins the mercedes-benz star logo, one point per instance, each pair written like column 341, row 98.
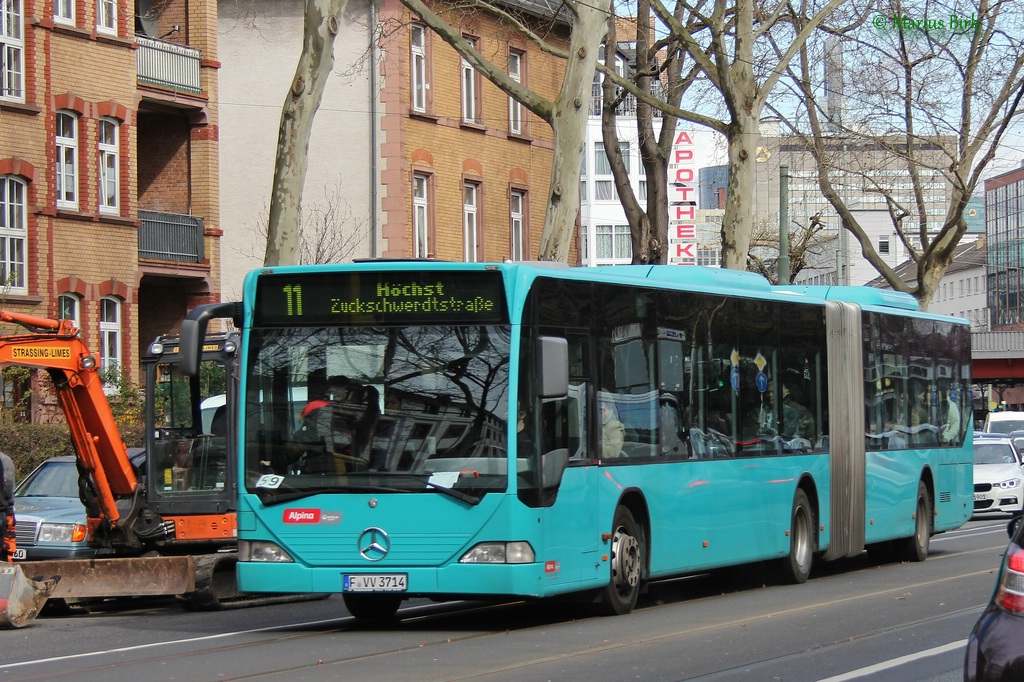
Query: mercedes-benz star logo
column 374, row 544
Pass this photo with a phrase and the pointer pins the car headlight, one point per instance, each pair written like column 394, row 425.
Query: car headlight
column 249, row 550
column 1010, row 483
column 499, row 553
column 62, row 532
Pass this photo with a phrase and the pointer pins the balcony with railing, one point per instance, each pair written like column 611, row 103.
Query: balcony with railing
column 168, row 65
column 627, row 107
column 171, row 237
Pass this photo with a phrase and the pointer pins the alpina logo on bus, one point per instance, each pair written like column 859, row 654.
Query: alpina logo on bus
column 301, row 516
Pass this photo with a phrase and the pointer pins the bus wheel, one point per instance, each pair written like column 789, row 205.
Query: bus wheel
column 796, row 567
column 915, row 548
column 627, row 559
column 373, row 608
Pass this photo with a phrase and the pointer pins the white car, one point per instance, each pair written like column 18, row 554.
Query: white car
column 1004, row 422
column 998, row 475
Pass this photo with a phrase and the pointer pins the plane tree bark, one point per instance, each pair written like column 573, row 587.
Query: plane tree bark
column 320, row 27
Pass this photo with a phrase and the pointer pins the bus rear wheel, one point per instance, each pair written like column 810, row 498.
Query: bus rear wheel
column 796, row 567
column 627, row 565
column 373, row 608
column 915, row 548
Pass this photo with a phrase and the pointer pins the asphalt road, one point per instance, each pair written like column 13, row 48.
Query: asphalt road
column 853, row 620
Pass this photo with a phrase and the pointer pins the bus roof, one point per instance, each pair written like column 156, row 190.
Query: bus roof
column 864, row 296
column 711, row 280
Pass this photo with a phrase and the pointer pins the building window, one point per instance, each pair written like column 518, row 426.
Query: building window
column 12, row 48
column 418, row 59
column 67, row 160
column 517, row 223
column 110, row 334
column 470, row 221
column 604, row 187
column 642, row 172
column 583, row 178
column 883, row 246
column 515, row 109
column 470, row 90
column 613, row 242
column 64, row 11
column 13, row 233
column 108, row 175
column 67, row 308
column 421, row 215
column 106, row 16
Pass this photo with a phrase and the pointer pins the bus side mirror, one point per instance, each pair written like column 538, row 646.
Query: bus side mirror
column 552, row 367
column 193, row 331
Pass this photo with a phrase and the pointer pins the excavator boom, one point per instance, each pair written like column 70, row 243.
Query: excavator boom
column 56, row 347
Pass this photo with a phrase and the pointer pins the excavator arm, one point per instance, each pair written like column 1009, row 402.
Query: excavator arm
column 55, row 345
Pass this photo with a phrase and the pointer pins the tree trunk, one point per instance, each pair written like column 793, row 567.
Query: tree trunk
column 738, row 223
column 569, row 125
column 315, row 63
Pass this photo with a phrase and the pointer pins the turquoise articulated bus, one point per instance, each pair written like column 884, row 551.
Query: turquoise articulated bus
column 526, row 430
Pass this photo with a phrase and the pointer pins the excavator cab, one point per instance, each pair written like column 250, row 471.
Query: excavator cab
column 188, row 469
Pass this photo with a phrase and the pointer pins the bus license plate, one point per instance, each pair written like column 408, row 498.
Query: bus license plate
column 20, row 554
column 375, row 582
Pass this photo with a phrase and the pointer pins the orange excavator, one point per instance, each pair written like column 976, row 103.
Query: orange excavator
column 168, row 528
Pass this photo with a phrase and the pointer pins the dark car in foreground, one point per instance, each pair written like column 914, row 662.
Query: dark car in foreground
column 50, row 518
column 49, row 515
column 994, row 650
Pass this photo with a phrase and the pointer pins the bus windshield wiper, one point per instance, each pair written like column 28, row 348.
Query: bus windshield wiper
column 270, row 498
column 444, row 490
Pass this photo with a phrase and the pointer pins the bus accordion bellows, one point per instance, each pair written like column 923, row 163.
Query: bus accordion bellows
column 486, row 431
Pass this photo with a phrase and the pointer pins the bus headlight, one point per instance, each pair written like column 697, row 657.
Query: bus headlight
column 499, row 553
column 262, row 551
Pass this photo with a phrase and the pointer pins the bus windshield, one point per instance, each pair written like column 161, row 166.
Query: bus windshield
column 377, row 409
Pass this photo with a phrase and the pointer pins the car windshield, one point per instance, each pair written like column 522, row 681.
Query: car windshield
column 401, row 409
column 994, row 453
column 1005, row 425
column 51, row 479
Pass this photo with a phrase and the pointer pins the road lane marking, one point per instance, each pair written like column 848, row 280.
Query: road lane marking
column 896, row 662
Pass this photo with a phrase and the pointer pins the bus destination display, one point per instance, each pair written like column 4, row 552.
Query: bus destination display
column 392, row 297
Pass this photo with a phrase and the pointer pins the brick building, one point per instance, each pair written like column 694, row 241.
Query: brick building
column 466, row 171
column 387, row 160
column 108, row 165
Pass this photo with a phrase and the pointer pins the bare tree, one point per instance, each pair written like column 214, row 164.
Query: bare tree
column 658, row 73
column 320, row 26
column 807, row 243
column 566, row 114
column 937, row 104
column 739, row 50
column 328, row 232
